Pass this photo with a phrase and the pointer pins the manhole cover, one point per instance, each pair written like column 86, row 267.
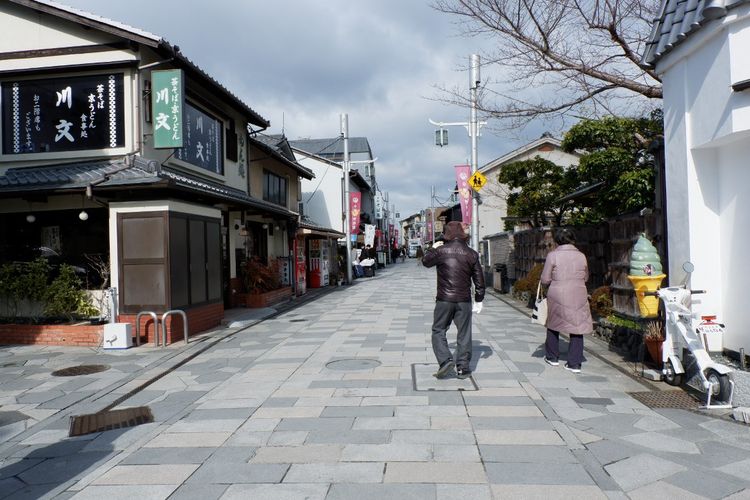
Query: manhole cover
column 108, row 420
column 353, row 364
column 297, row 320
column 73, row 371
column 667, row 399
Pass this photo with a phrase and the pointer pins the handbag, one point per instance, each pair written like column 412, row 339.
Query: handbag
column 539, row 315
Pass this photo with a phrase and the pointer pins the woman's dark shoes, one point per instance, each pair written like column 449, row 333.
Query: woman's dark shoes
column 445, row 368
column 551, row 361
column 573, row 368
column 463, row 373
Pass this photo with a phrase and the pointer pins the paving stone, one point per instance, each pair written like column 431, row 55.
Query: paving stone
column 306, row 454
column 371, row 472
column 509, row 423
column 358, row 411
column 661, row 442
column 9, row 486
column 526, row 454
column 315, row 424
column 147, row 474
column 639, row 470
column 739, row 469
column 199, row 492
column 391, row 452
column 333, row 436
column 276, row 491
column 536, row 473
column 548, row 491
column 709, row 484
column 188, row 440
column 344, row 491
column 523, row 437
column 234, row 473
column 129, row 492
column 153, row 456
column 427, row 472
column 61, row 469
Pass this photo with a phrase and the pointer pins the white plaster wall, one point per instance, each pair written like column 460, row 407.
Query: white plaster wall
column 322, row 195
column 707, row 131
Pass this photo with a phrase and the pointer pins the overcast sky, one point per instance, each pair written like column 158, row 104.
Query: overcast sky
column 301, row 63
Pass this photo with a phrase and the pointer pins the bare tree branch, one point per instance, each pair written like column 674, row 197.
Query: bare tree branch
column 558, row 57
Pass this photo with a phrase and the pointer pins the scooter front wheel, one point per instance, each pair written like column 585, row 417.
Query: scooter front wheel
column 720, row 386
column 671, row 377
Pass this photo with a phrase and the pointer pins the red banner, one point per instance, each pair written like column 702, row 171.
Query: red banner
column 355, row 208
column 463, row 173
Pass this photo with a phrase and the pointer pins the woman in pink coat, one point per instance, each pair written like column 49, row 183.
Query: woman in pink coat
column 566, row 272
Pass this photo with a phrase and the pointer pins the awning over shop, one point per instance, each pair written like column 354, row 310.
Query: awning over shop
column 307, row 227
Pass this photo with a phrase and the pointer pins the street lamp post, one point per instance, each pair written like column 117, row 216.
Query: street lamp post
column 347, row 212
column 473, row 127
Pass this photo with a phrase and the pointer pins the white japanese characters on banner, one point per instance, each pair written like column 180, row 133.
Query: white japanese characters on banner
column 378, row 206
column 369, row 234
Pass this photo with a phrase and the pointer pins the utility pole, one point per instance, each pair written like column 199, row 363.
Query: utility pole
column 473, row 126
column 473, row 85
column 348, row 216
column 432, row 212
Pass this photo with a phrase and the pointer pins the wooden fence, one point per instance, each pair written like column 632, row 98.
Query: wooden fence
column 607, row 247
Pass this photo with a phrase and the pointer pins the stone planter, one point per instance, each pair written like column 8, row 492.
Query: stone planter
column 265, row 299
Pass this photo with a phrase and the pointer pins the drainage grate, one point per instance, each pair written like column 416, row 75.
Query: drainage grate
column 74, row 371
column 667, row 399
column 109, row 420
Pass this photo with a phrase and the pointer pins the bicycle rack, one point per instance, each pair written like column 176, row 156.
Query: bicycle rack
column 138, row 327
column 164, row 324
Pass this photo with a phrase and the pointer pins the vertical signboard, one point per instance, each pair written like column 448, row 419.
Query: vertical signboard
column 355, row 209
column 167, row 107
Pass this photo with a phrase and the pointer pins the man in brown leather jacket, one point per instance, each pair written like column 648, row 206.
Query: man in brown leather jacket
column 457, row 267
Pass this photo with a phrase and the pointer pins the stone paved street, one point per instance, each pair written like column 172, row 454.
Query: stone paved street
column 334, row 399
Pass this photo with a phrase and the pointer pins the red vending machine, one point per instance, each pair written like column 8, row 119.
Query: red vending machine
column 318, row 263
column 301, row 267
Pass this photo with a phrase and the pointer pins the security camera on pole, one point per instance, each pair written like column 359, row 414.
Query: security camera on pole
column 473, row 126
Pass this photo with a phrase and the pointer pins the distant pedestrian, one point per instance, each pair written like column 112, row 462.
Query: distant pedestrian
column 420, row 254
column 403, row 254
column 566, row 272
column 457, row 268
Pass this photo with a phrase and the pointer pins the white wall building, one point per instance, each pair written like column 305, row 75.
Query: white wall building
column 701, row 56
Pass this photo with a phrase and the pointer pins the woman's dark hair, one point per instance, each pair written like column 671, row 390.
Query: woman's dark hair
column 564, row 236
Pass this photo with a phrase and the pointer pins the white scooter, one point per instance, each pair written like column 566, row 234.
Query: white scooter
column 684, row 330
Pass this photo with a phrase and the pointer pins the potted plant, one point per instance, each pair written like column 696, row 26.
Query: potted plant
column 653, row 338
column 262, row 283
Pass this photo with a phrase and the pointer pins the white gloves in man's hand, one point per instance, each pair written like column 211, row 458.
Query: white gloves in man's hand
column 477, row 307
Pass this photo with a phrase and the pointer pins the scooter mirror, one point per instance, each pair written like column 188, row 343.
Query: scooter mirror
column 688, row 267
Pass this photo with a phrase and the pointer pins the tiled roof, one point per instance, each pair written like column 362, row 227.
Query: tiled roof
column 278, row 146
column 73, row 176
column 679, row 19
column 333, row 146
column 114, row 173
column 313, row 226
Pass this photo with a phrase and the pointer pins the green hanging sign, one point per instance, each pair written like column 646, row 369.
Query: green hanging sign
column 167, row 107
